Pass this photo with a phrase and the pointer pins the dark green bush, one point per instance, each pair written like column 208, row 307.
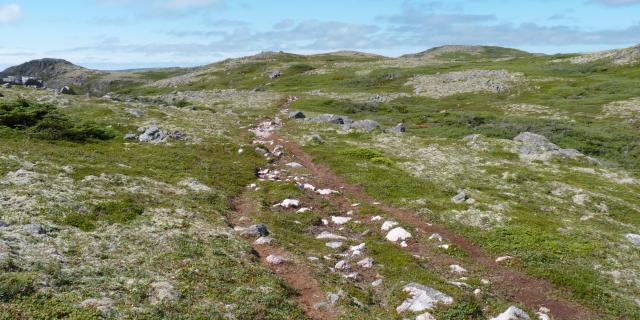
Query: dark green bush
column 121, row 211
column 44, row 121
column 16, row 284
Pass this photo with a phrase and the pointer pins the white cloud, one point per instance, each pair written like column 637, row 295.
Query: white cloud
column 617, row 2
column 10, row 12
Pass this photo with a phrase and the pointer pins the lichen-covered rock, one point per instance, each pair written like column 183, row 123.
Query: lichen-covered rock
column 513, row 313
column 422, row 298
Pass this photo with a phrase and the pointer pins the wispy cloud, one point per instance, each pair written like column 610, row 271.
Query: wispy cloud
column 10, row 12
column 619, row 3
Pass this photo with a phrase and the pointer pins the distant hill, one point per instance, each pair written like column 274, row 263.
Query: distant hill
column 624, row 56
column 460, row 52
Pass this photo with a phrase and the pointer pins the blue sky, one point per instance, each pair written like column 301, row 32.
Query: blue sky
column 115, row 34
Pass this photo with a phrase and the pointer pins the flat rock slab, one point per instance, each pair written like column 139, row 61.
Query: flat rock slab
column 422, row 298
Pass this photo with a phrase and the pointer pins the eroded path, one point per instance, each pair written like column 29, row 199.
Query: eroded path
column 353, row 254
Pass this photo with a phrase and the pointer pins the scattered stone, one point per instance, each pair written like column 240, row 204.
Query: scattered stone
column 340, row 220
column 342, row 265
column 399, row 128
column 422, row 298
column 131, row 136
column 330, row 118
column 364, row 125
column 104, row 305
column 436, row 237
column 155, row 135
column 398, row 234
column 275, row 260
column 325, row 235
column 334, row 244
column 303, row 210
column 366, row 263
column 535, row 144
column 194, row 185
column 333, row 297
column 162, row 292
column 255, row 230
column 425, row 316
column 376, row 218
column 460, row 198
column 263, row 241
column 387, row 225
column 294, row 165
column 297, row 115
column 457, row 269
column 503, row 259
column 543, row 316
column 3, row 224
column 34, row 228
column 326, row 192
column 634, row 238
column 513, row 313
column 357, row 250
column 67, row 90
column 477, row 292
column 580, row 199
column 275, row 74
column 290, row 203
column 377, row 283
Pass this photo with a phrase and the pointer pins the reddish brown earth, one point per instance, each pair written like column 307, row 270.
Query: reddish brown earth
column 296, row 274
column 511, row 284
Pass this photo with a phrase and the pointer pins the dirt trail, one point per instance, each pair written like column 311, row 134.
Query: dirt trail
column 295, row 273
column 510, row 284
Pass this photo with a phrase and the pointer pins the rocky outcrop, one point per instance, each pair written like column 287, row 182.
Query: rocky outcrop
column 533, row 144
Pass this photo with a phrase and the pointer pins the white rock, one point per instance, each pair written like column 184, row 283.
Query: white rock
column 457, row 269
column 194, row 185
column 422, row 298
column 377, row 283
column 635, row 238
column 398, row 234
column 342, row 265
column 425, row 316
column 340, row 220
column 513, row 313
column 294, row 165
column 366, row 263
column 307, row 186
column 290, row 203
column 503, row 259
column 404, row 244
column 485, row 282
column 436, row 237
column 444, row 246
column 325, row 235
column 580, row 199
column 303, row 210
column 276, row 260
column 357, row 250
column 387, row 225
column 477, row 292
column 543, row 316
column 326, row 192
column 376, row 218
column 334, row 244
column 263, row 241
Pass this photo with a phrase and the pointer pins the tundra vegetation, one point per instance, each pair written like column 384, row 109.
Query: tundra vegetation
column 121, row 202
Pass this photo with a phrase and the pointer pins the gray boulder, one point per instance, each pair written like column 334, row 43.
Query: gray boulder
column 460, row 198
column 130, row 136
column 3, row 224
column 154, row 134
column 399, row 128
column 275, row 74
column 34, row 228
column 364, row 125
column 296, row 115
column 255, row 231
column 66, row 90
column 536, row 144
column 7, row 85
column 331, row 118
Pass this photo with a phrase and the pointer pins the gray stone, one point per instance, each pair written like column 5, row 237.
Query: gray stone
column 535, row 144
column 513, row 313
column 460, row 198
column 66, row 90
column 331, row 118
column 130, row 136
column 34, row 228
column 255, row 230
column 296, row 115
column 275, row 74
column 422, row 298
column 364, row 125
column 3, row 224
column 399, row 128
column 634, row 238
